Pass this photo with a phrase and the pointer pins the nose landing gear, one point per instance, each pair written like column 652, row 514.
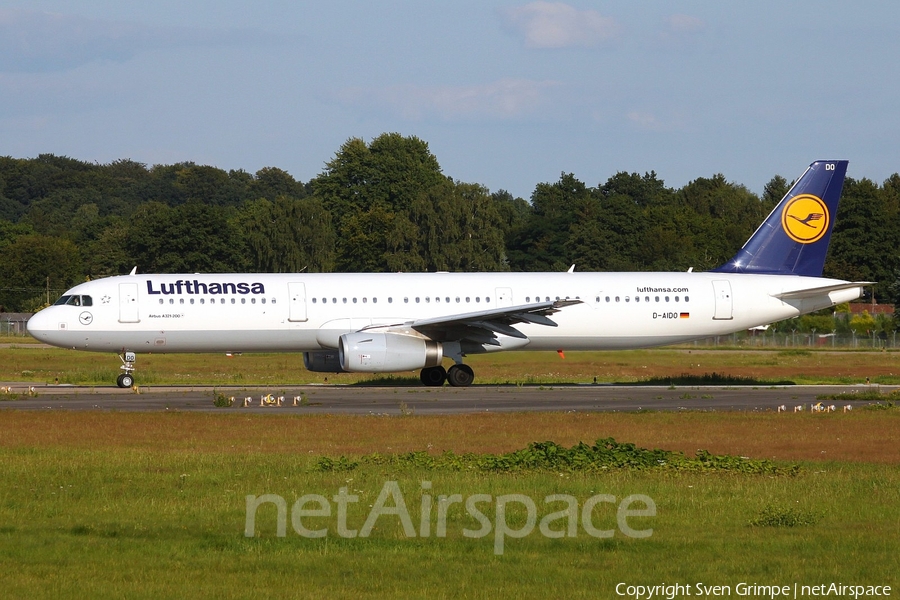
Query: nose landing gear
column 126, row 379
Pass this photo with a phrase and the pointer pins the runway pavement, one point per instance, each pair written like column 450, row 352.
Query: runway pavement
column 377, row 400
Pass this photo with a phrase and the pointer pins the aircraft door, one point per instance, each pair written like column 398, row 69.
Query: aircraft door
column 504, row 297
column 128, row 303
column 297, row 297
column 724, row 305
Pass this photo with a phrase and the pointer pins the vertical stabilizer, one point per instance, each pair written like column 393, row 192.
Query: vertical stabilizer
column 793, row 240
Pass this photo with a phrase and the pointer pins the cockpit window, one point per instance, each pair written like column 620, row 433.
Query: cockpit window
column 75, row 300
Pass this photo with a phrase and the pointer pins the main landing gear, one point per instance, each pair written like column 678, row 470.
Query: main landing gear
column 126, row 379
column 459, row 375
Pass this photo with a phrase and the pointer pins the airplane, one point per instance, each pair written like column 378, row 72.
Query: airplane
column 396, row 322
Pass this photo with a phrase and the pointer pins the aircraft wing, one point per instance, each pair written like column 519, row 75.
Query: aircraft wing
column 482, row 327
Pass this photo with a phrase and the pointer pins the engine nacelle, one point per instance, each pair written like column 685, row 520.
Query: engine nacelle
column 323, row 362
column 365, row 352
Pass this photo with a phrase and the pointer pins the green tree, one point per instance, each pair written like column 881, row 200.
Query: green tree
column 33, row 266
column 382, row 199
column 191, row 238
column 287, row 236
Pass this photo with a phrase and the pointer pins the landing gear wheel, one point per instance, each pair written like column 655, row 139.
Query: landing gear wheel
column 460, row 375
column 125, row 380
column 433, row 376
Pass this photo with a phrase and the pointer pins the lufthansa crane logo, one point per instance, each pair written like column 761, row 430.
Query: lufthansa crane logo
column 805, row 218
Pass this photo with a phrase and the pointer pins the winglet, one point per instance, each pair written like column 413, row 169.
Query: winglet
column 793, row 240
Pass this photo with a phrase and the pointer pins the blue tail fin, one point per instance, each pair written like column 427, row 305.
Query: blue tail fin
column 793, row 240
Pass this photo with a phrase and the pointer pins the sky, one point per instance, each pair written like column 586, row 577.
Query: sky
column 506, row 94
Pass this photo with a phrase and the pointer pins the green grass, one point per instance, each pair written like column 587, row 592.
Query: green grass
column 105, row 504
column 94, row 523
column 28, row 362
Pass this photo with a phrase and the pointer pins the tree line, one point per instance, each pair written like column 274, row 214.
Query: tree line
column 386, row 206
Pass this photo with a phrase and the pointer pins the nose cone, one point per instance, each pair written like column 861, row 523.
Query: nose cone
column 42, row 325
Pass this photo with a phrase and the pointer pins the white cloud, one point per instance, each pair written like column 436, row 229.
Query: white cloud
column 34, row 41
column 504, row 99
column 558, row 25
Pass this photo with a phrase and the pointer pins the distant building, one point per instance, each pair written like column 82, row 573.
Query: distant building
column 13, row 323
column 858, row 308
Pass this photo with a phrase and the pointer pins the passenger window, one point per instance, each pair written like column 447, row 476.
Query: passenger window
column 160, row 300
column 202, row 300
column 686, row 299
column 252, row 300
column 365, row 300
column 243, row 301
column 232, row 300
column 192, row 300
column 617, row 298
column 314, row 300
column 667, row 298
column 354, row 301
column 656, row 298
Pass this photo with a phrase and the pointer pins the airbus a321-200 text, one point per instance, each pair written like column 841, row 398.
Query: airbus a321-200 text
column 395, row 322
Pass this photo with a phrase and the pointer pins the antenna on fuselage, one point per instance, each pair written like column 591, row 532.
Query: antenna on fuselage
column 133, row 271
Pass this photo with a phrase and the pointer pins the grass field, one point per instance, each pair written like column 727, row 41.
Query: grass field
column 154, row 505
column 29, row 362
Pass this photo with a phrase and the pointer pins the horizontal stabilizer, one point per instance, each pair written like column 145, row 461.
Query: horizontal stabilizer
column 820, row 291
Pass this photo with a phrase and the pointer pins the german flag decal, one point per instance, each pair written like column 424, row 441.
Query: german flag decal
column 685, row 315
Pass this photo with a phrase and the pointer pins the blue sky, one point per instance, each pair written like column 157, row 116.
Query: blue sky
column 507, row 94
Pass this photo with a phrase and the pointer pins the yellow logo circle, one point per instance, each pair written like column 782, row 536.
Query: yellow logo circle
column 805, row 218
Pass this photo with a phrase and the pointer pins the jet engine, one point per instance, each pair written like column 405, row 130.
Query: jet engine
column 322, row 362
column 367, row 352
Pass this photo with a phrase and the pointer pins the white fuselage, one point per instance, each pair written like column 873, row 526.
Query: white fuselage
column 308, row 312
